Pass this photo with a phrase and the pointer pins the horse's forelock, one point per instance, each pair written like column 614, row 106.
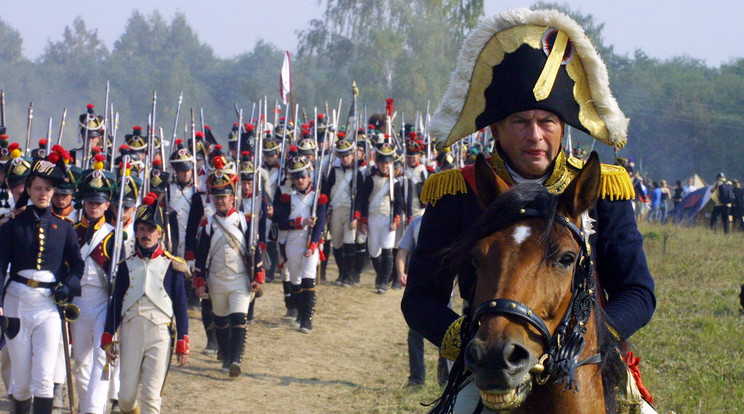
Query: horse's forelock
column 503, row 211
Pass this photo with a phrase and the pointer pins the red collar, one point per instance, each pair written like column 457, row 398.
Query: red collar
column 158, row 252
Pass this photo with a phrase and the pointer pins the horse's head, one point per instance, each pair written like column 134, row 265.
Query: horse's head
column 526, row 258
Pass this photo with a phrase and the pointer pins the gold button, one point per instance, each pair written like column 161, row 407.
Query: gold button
column 41, row 236
column 38, row 267
column 41, row 229
column 41, row 248
column 38, row 260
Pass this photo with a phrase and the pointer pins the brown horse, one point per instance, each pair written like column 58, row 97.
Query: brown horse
column 535, row 330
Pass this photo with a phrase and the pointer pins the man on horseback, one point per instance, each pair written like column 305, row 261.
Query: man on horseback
column 531, row 73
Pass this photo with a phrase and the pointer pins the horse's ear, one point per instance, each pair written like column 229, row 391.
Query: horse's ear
column 584, row 189
column 489, row 184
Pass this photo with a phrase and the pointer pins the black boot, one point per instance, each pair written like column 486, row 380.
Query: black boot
column 237, row 342
column 338, row 256
column 223, row 339
column 21, row 407
column 348, row 259
column 212, row 346
column 208, row 322
column 360, row 261
column 381, row 277
column 393, row 274
column 308, row 305
column 43, row 405
column 289, row 302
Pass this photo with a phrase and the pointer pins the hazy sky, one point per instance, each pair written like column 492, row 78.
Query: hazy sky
column 709, row 30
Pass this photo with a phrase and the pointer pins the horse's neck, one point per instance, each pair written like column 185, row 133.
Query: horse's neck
column 550, row 398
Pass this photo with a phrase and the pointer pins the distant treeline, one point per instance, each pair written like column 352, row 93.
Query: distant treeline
column 686, row 117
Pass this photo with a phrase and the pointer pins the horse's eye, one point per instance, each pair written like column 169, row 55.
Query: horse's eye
column 567, row 259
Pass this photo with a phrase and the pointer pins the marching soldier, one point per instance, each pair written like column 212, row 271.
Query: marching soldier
column 221, row 259
column 416, row 174
column 150, row 292
column 91, row 132
column 45, row 267
column 128, row 208
column 64, row 194
column 247, row 175
column 296, row 213
column 181, row 190
column 96, row 240
column 339, row 189
column 16, row 172
column 272, row 168
column 137, row 149
column 379, row 212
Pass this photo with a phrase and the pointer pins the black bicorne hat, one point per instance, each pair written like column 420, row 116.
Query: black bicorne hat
column 524, row 60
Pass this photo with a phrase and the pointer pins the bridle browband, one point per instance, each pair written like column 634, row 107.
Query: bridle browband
column 567, row 342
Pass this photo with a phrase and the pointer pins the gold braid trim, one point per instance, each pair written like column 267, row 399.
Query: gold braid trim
column 446, row 182
column 451, row 343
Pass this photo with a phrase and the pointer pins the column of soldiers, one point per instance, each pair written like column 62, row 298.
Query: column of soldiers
column 128, row 259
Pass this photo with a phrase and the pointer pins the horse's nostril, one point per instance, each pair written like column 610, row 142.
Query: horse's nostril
column 473, row 353
column 515, row 355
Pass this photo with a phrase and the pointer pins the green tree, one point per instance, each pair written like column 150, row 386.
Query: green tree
column 78, row 46
column 11, row 44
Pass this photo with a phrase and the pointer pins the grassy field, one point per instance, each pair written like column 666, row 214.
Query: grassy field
column 693, row 349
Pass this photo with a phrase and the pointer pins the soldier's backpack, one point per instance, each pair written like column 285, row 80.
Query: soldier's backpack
column 726, row 193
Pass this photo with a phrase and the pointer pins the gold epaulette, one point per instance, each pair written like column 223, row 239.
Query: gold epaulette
column 614, row 184
column 445, row 182
column 178, row 263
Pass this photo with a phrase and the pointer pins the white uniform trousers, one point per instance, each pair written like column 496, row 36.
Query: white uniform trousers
column 34, row 350
column 5, row 370
column 60, row 370
column 339, row 227
column 379, row 235
column 229, row 298
column 87, row 352
column 144, row 349
column 299, row 266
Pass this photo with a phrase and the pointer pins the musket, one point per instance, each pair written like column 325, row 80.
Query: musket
column 193, row 151
column 115, row 129
column 351, row 121
column 281, row 148
column 105, row 128
column 28, row 128
column 162, row 147
column 255, row 206
column 49, row 131
column 147, row 160
column 62, row 127
column 201, row 118
column 238, row 190
column 318, row 181
column 175, row 123
column 237, row 110
column 2, row 108
column 391, row 170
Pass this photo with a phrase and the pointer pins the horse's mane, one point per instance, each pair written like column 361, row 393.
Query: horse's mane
column 505, row 210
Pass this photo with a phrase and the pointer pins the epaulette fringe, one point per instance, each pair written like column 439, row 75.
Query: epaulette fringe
column 446, row 182
column 178, row 264
column 615, row 183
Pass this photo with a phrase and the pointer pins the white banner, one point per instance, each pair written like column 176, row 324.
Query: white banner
column 285, row 79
